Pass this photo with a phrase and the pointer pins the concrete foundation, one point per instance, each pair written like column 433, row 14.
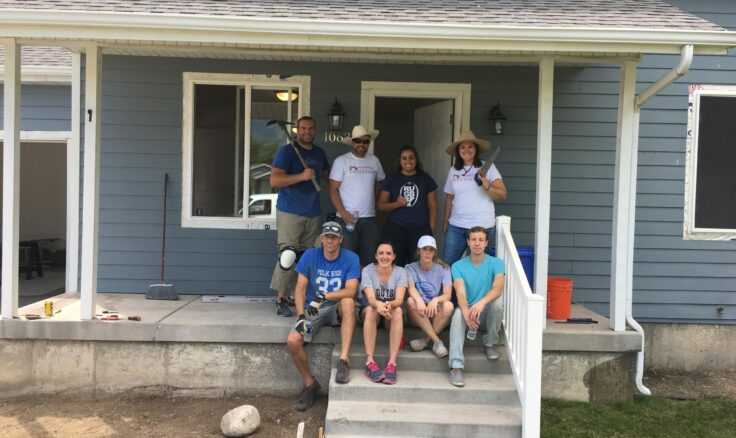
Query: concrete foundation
column 690, row 347
column 160, row 368
column 588, row 376
column 188, row 347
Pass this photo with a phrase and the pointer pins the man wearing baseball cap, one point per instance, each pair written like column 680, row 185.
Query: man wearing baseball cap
column 325, row 291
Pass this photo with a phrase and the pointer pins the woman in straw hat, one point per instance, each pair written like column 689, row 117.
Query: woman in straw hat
column 468, row 204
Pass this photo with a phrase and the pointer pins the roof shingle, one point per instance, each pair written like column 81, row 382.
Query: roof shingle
column 634, row 14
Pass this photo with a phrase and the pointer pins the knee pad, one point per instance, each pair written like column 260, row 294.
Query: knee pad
column 288, row 257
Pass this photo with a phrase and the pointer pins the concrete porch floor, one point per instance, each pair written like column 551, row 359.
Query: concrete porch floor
column 191, row 320
column 191, row 347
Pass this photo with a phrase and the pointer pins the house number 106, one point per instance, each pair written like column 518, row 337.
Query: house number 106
column 335, row 137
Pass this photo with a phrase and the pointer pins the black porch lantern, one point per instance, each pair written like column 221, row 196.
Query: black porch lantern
column 336, row 116
column 497, row 120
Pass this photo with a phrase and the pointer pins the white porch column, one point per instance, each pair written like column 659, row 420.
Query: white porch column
column 72, row 179
column 91, row 183
column 624, row 198
column 11, row 178
column 544, row 177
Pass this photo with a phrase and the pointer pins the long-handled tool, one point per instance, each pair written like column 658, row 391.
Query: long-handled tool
column 282, row 124
column 483, row 171
column 161, row 290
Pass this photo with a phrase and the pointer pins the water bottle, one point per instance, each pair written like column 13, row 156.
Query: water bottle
column 351, row 227
column 471, row 334
column 309, row 330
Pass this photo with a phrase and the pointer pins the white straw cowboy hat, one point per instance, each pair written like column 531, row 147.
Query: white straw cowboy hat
column 360, row 131
column 466, row 137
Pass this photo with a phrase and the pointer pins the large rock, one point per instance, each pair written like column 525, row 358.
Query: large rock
column 240, row 421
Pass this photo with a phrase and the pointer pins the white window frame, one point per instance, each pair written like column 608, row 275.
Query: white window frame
column 690, row 232
column 248, row 81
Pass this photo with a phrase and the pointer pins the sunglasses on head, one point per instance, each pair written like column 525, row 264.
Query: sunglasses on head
column 331, row 229
column 361, row 141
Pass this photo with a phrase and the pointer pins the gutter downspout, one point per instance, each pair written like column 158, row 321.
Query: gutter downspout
column 686, row 59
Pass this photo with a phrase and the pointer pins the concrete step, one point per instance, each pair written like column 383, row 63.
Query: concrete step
column 418, row 386
column 421, row 419
column 475, row 360
column 410, row 333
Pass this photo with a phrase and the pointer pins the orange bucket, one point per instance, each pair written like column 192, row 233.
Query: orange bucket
column 559, row 296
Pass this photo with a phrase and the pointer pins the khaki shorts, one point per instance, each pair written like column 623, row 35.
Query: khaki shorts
column 297, row 231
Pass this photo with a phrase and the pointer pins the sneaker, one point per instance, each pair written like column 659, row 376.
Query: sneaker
column 419, row 344
column 456, row 377
column 343, row 371
column 282, row 309
column 389, row 374
column 439, row 348
column 290, row 301
column 492, row 352
column 373, row 372
column 307, row 398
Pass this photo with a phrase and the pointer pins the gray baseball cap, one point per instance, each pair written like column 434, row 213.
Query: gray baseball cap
column 331, row 227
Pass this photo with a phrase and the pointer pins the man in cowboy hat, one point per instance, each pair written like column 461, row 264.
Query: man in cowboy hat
column 354, row 182
column 298, row 207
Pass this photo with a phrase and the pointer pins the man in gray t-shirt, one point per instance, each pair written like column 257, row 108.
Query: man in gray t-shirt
column 384, row 292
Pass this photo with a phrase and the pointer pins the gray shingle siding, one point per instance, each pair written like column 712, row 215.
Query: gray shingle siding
column 43, row 108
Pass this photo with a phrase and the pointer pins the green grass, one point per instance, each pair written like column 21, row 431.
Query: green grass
column 643, row 417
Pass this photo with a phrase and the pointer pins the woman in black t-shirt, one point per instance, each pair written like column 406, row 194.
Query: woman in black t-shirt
column 409, row 195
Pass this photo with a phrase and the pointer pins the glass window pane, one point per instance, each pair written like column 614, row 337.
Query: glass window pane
column 715, row 198
column 264, row 141
column 214, row 149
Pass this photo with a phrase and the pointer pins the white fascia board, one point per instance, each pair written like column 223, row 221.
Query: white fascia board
column 43, row 75
column 109, row 26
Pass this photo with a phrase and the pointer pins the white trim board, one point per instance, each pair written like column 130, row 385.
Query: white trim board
column 689, row 230
column 105, row 27
column 460, row 93
column 190, row 79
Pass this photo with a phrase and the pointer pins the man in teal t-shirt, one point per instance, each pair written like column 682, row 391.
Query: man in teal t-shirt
column 478, row 280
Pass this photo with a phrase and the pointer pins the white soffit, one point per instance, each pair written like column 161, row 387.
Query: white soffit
column 381, row 37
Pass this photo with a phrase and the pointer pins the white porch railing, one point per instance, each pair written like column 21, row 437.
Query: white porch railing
column 523, row 316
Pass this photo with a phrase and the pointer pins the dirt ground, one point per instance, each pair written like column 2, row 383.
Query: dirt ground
column 716, row 385
column 130, row 415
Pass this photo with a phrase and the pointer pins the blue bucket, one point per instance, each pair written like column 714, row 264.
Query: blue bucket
column 526, row 254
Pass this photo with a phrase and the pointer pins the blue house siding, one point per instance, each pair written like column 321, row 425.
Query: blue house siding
column 674, row 279
column 43, row 107
column 141, row 139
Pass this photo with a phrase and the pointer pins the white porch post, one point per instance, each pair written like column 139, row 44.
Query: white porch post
column 91, row 183
column 624, row 198
column 72, row 179
column 11, row 178
column 544, row 177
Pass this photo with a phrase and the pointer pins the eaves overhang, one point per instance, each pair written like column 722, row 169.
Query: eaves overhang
column 111, row 28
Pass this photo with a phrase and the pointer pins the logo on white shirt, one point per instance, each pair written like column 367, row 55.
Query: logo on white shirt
column 365, row 170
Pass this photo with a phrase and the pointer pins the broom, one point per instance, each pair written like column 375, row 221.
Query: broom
column 161, row 290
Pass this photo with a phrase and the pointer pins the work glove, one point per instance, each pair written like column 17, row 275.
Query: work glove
column 303, row 326
column 314, row 306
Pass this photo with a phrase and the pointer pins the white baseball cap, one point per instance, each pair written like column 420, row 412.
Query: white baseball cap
column 427, row 241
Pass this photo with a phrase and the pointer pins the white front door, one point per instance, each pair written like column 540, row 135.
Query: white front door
column 433, row 129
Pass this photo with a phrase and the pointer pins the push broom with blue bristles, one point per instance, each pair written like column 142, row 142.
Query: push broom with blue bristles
column 161, row 290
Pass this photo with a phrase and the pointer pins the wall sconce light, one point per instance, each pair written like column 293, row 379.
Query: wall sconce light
column 284, row 95
column 497, row 120
column 336, row 116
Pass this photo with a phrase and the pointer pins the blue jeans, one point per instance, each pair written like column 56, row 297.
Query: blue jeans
column 490, row 321
column 456, row 242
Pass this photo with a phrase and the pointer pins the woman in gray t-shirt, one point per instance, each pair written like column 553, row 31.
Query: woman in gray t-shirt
column 430, row 290
column 382, row 290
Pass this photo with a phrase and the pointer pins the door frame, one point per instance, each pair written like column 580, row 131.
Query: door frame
column 64, row 138
column 459, row 92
